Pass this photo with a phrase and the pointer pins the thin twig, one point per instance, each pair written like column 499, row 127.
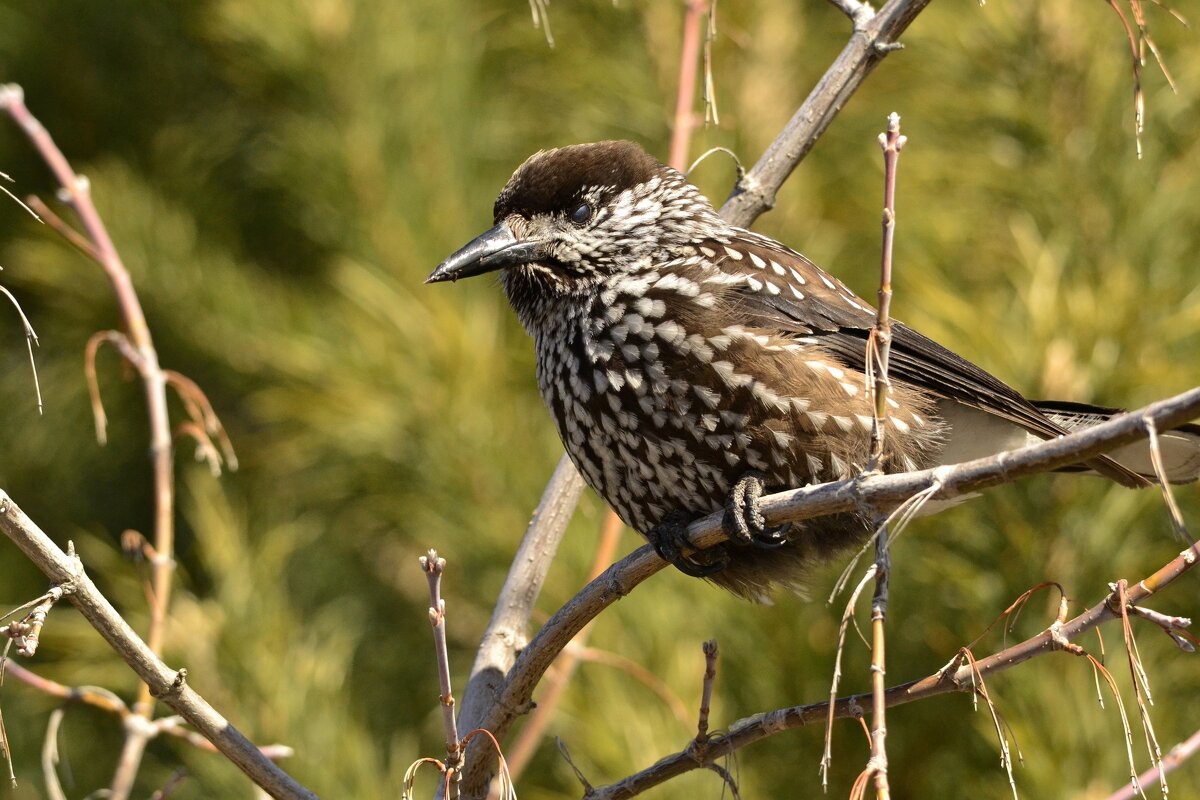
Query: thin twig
column 847, row 614
column 77, row 189
column 685, row 122
column 879, row 345
column 961, row 678
column 1171, row 761
column 64, row 229
column 710, row 675
column 31, row 339
column 433, row 566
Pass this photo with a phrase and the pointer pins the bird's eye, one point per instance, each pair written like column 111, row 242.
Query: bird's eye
column 582, row 214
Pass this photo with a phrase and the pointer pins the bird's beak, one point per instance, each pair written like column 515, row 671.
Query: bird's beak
column 488, row 252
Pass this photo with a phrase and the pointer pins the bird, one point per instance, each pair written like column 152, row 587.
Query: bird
column 691, row 366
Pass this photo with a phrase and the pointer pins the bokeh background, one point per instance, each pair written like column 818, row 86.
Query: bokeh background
column 280, row 177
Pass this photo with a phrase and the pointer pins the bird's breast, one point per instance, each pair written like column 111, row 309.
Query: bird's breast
column 662, row 403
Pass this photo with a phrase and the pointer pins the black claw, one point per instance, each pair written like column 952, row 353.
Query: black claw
column 744, row 521
column 668, row 539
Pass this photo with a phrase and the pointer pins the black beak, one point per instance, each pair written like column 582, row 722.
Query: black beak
column 488, row 252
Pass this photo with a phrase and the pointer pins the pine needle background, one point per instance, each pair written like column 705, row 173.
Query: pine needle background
column 280, row 177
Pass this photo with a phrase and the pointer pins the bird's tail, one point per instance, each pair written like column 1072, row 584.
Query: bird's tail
column 1179, row 447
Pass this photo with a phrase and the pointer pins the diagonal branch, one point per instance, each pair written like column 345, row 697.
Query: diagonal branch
column 959, row 677
column 514, row 693
column 870, row 43
column 166, row 684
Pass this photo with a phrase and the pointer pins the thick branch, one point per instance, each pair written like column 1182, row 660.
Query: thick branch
column 507, row 631
column 166, row 684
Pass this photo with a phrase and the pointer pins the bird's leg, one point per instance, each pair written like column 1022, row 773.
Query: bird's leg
column 744, row 521
column 669, row 537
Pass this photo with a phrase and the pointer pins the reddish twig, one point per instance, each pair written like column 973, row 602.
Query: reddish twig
column 137, row 347
column 685, row 120
column 64, row 229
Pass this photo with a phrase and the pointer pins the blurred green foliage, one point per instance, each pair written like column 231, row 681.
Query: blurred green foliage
column 280, row 177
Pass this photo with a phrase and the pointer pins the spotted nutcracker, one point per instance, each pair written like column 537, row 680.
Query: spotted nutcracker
column 691, row 365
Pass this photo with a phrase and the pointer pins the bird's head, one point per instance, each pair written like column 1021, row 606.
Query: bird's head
column 571, row 219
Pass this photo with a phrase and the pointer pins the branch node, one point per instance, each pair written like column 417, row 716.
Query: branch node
column 138, row 726
column 177, row 684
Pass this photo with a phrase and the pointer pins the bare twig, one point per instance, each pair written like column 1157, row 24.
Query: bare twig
column 710, row 675
column 685, row 119
column 879, row 342
column 64, row 229
column 879, row 345
column 847, row 614
column 957, row 677
column 1171, row 761
column 166, row 684
column 30, row 340
column 870, row 44
column 137, row 346
column 433, row 566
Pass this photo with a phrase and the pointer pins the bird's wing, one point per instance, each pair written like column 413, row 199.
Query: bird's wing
column 785, row 292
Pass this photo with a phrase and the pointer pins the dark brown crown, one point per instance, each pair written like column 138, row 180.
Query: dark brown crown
column 552, row 180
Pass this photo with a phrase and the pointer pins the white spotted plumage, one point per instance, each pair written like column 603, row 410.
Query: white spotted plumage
column 676, row 353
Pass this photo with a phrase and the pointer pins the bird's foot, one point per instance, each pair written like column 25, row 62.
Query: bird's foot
column 744, row 521
column 669, row 538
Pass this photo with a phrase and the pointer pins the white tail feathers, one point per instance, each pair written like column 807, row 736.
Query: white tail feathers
column 1178, row 447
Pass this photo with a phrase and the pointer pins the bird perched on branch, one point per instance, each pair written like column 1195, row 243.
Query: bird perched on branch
column 691, row 366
